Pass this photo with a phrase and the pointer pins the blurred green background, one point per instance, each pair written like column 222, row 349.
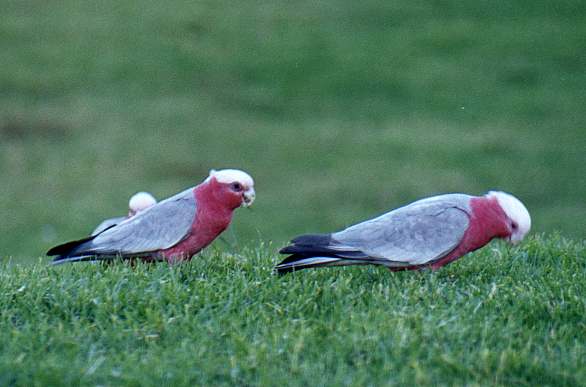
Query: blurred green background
column 340, row 109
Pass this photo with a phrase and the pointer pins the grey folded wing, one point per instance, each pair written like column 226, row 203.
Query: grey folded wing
column 157, row 228
column 107, row 224
column 419, row 233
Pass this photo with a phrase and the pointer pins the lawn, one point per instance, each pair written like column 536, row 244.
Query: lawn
column 501, row 316
column 341, row 110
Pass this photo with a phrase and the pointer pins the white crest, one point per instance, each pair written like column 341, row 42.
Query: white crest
column 228, row 176
column 140, row 201
column 516, row 211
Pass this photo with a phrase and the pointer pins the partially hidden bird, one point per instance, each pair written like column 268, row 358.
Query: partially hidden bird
column 172, row 230
column 428, row 233
column 138, row 202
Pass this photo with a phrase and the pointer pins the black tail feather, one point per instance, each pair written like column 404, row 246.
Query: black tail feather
column 307, row 243
column 312, row 245
column 69, row 248
column 320, row 250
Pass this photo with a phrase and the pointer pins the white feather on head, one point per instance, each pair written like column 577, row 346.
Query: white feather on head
column 227, row 176
column 140, row 201
column 516, row 211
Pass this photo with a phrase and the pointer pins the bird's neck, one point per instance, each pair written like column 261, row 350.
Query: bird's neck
column 211, row 210
column 487, row 221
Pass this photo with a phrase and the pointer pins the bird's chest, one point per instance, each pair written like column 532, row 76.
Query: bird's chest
column 205, row 228
column 210, row 223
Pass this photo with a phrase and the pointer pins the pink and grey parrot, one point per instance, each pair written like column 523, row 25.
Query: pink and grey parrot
column 174, row 229
column 430, row 232
column 140, row 201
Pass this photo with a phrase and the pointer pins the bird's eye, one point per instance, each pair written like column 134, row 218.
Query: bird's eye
column 236, row 187
column 514, row 225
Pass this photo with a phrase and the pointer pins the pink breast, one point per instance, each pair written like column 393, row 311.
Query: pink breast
column 210, row 221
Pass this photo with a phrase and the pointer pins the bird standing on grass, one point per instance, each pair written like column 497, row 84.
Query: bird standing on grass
column 428, row 233
column 140, row 201
column 174, row 229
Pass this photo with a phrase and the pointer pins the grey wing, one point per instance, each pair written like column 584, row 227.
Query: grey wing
column 156, row 228
column 107, row 223
column 416, row 234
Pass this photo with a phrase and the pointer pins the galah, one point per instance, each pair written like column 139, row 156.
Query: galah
column 174, row 229
column 428, row 233
column 140, row 201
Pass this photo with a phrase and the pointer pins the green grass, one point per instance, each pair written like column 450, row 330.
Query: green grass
column 501, row 316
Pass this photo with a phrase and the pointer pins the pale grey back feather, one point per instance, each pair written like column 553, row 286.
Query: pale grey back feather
column 157, row 228
column 107, row 223
column 419, row 233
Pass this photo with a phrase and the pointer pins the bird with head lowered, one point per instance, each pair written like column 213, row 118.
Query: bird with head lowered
column 428, row 233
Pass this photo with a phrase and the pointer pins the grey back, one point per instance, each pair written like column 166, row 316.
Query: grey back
column 159, row 227
column 419, row 233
